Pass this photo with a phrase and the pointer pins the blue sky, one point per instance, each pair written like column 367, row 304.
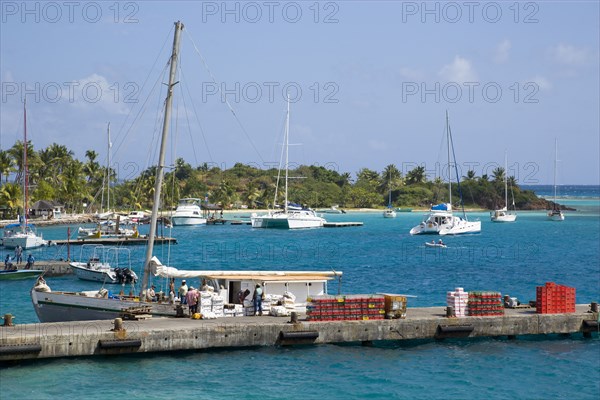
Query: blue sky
column 375, row 79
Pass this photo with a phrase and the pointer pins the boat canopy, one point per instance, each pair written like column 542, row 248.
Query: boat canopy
column 158, row 269
column 442, row 207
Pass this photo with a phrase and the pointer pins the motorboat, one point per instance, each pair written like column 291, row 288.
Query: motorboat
column 188, row 212
column 97, row 268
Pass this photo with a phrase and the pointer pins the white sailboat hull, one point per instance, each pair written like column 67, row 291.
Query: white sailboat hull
column 26, row 241
column 462, row 227
column 84, row 306
column 293, row 220
column 503, row 216
column 389, row 214
column 556, row 216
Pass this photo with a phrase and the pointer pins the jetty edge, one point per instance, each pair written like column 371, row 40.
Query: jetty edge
column 159, row 335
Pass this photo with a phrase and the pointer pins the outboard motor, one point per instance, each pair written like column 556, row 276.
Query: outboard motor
column 120, row 275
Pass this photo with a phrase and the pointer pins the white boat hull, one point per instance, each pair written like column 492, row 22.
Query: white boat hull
column 182, row 220
column 293, row 220
column 389, row 214
column 83, row 306
column 503, row 216
column 444, row 223
column 26, row 241
column 462, row 227
column 556, row 216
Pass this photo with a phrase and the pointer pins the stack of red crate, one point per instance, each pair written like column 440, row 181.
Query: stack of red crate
column 485, row 304
column 554, row 299
column 345, row 308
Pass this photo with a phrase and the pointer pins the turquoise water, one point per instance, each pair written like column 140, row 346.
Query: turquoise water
column 379, row 257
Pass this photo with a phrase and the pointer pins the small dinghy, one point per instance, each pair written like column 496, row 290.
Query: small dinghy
column 433, row 244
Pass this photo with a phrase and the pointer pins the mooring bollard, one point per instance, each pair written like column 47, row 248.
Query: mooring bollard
column 118, row 324
column 450, row 312
column 594, row 306
column 294, row 317
column 8, row 320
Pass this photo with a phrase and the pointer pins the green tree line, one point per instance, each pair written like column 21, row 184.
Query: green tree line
column 55, row 174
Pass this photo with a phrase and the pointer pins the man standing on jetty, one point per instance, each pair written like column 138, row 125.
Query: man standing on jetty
column 18, row 255
column 183, row 289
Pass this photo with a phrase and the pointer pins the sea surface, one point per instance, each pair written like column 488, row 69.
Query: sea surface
column 380, row 256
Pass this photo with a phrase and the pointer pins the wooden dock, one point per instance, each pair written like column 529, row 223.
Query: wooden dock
column 100, row 338
column 116, row 241
column 341, row 224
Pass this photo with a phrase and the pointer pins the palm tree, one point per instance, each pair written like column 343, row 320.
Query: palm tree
column 11, row 197
column 6, row 165
column 391, row 178
column 416, row 175
column 470, row 175
column 498, row 174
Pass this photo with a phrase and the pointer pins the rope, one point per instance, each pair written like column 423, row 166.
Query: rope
column 225, row 98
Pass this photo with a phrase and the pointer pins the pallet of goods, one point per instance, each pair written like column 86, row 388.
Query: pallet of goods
column 485, row 304
column 458, row 300
column 345, row 308
column 554, row 299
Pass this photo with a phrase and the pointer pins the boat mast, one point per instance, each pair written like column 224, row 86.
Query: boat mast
column 25, row 172
column 287, row 149
column 161, row 158
column 505, row 180
column 555, row 160
column 448, row 139
column 108, row 172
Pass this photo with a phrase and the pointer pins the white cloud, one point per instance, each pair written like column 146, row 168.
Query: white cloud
column 460, row 71
column 570, row 55
column 409, row 73
column 543, row 83
column 502, row 51
column 95, row 91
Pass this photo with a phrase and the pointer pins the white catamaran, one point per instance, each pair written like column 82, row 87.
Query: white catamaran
column 441, row 220
column 293, row 216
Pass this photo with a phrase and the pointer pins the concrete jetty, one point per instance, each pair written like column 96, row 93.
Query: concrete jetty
column 91, row 338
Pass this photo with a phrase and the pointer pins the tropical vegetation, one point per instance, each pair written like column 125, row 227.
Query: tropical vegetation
column 55, row 174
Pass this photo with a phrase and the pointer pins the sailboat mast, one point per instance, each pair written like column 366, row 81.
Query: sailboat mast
column 287, row 149
column 161, row 158
column 505, row 180
column 108, row 172
column 25, row 172
column 555, row 161
column 448, row 139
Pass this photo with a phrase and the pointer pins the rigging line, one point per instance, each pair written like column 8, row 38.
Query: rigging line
column 197, row 120
column 158, row 57
column 462, row 204
column 224, row 97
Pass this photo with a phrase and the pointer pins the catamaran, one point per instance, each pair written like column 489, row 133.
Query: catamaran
column 293, row 216
column 441, row 220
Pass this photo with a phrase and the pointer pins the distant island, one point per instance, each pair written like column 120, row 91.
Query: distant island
column 80, row 186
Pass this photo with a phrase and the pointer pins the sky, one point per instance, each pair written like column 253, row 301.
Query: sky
column 369, row 83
